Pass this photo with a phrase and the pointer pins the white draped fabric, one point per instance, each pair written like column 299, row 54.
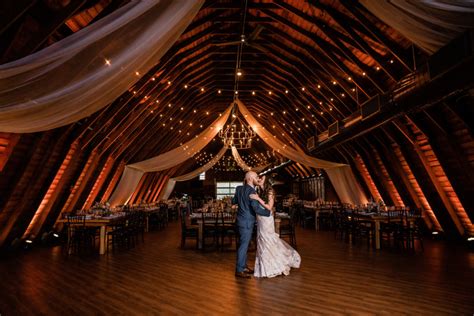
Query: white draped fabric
column 340, row 175
column 280, row 147
column 128, row 183
column 86, row 71
column 347, row 187
column 187, row 150
column 430, row 24
column 193, row 174
column 241, row 163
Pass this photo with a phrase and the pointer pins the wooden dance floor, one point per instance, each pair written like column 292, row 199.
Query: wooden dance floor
column 157, row 277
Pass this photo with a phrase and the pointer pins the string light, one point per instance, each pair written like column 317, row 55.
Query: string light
column 269, row 92
column 185, row 86
column 107, row 62
column 169, row 83
column 219, row 91
column 137, row 73
column 253, row 92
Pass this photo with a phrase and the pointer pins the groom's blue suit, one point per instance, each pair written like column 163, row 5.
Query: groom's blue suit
column 246, row 214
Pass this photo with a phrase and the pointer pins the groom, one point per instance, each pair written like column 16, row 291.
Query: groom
column 246, row 214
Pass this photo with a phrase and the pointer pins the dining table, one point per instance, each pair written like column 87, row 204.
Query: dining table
column 317, row 209
column 102, row 222
column 197, row 218
column 382, row 217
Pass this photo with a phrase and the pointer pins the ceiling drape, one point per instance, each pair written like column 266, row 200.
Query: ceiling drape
column 190, row 175
column 84, row 72
column 340, row 175
column 286, row 150
column 241, row 163
column 430, row 24
column 133, row 172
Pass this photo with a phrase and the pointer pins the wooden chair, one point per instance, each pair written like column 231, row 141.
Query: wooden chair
column 210, row 229
column 288, row 228
column 81, row 239
column 227, row 229
column 188, row 231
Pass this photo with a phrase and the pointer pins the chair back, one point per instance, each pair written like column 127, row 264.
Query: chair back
column 76, row 220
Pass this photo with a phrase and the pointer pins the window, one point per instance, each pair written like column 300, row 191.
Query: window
column 227, row 188
column 202, row 176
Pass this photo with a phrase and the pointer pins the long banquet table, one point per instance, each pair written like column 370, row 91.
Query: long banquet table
column 102, row 222
column 378, row 218
column 318, row 210
column 198, row 218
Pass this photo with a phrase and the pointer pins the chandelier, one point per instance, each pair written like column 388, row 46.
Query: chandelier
column 237, row 134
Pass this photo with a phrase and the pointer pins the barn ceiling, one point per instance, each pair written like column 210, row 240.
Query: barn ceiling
column 305, row 65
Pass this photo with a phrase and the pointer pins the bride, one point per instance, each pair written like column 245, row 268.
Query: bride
column 274, row 255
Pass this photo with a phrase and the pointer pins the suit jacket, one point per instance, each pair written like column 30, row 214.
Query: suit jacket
column 248, row 208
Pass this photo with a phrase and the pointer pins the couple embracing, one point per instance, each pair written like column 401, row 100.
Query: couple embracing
column 274, row 256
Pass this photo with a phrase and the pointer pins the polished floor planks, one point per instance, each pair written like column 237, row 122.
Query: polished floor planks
column 159, row 278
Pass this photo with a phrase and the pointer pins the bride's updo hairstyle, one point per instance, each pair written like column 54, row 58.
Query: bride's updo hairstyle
column 268, row 188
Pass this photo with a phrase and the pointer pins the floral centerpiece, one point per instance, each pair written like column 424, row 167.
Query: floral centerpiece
column 101, row 208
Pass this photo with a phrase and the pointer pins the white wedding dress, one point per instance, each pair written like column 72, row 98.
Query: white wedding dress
column 274, row 255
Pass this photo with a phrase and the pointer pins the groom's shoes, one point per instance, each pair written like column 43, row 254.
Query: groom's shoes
column 243, row 274
column 248, row 270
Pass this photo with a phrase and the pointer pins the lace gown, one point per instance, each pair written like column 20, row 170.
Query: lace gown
column 274, row 255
